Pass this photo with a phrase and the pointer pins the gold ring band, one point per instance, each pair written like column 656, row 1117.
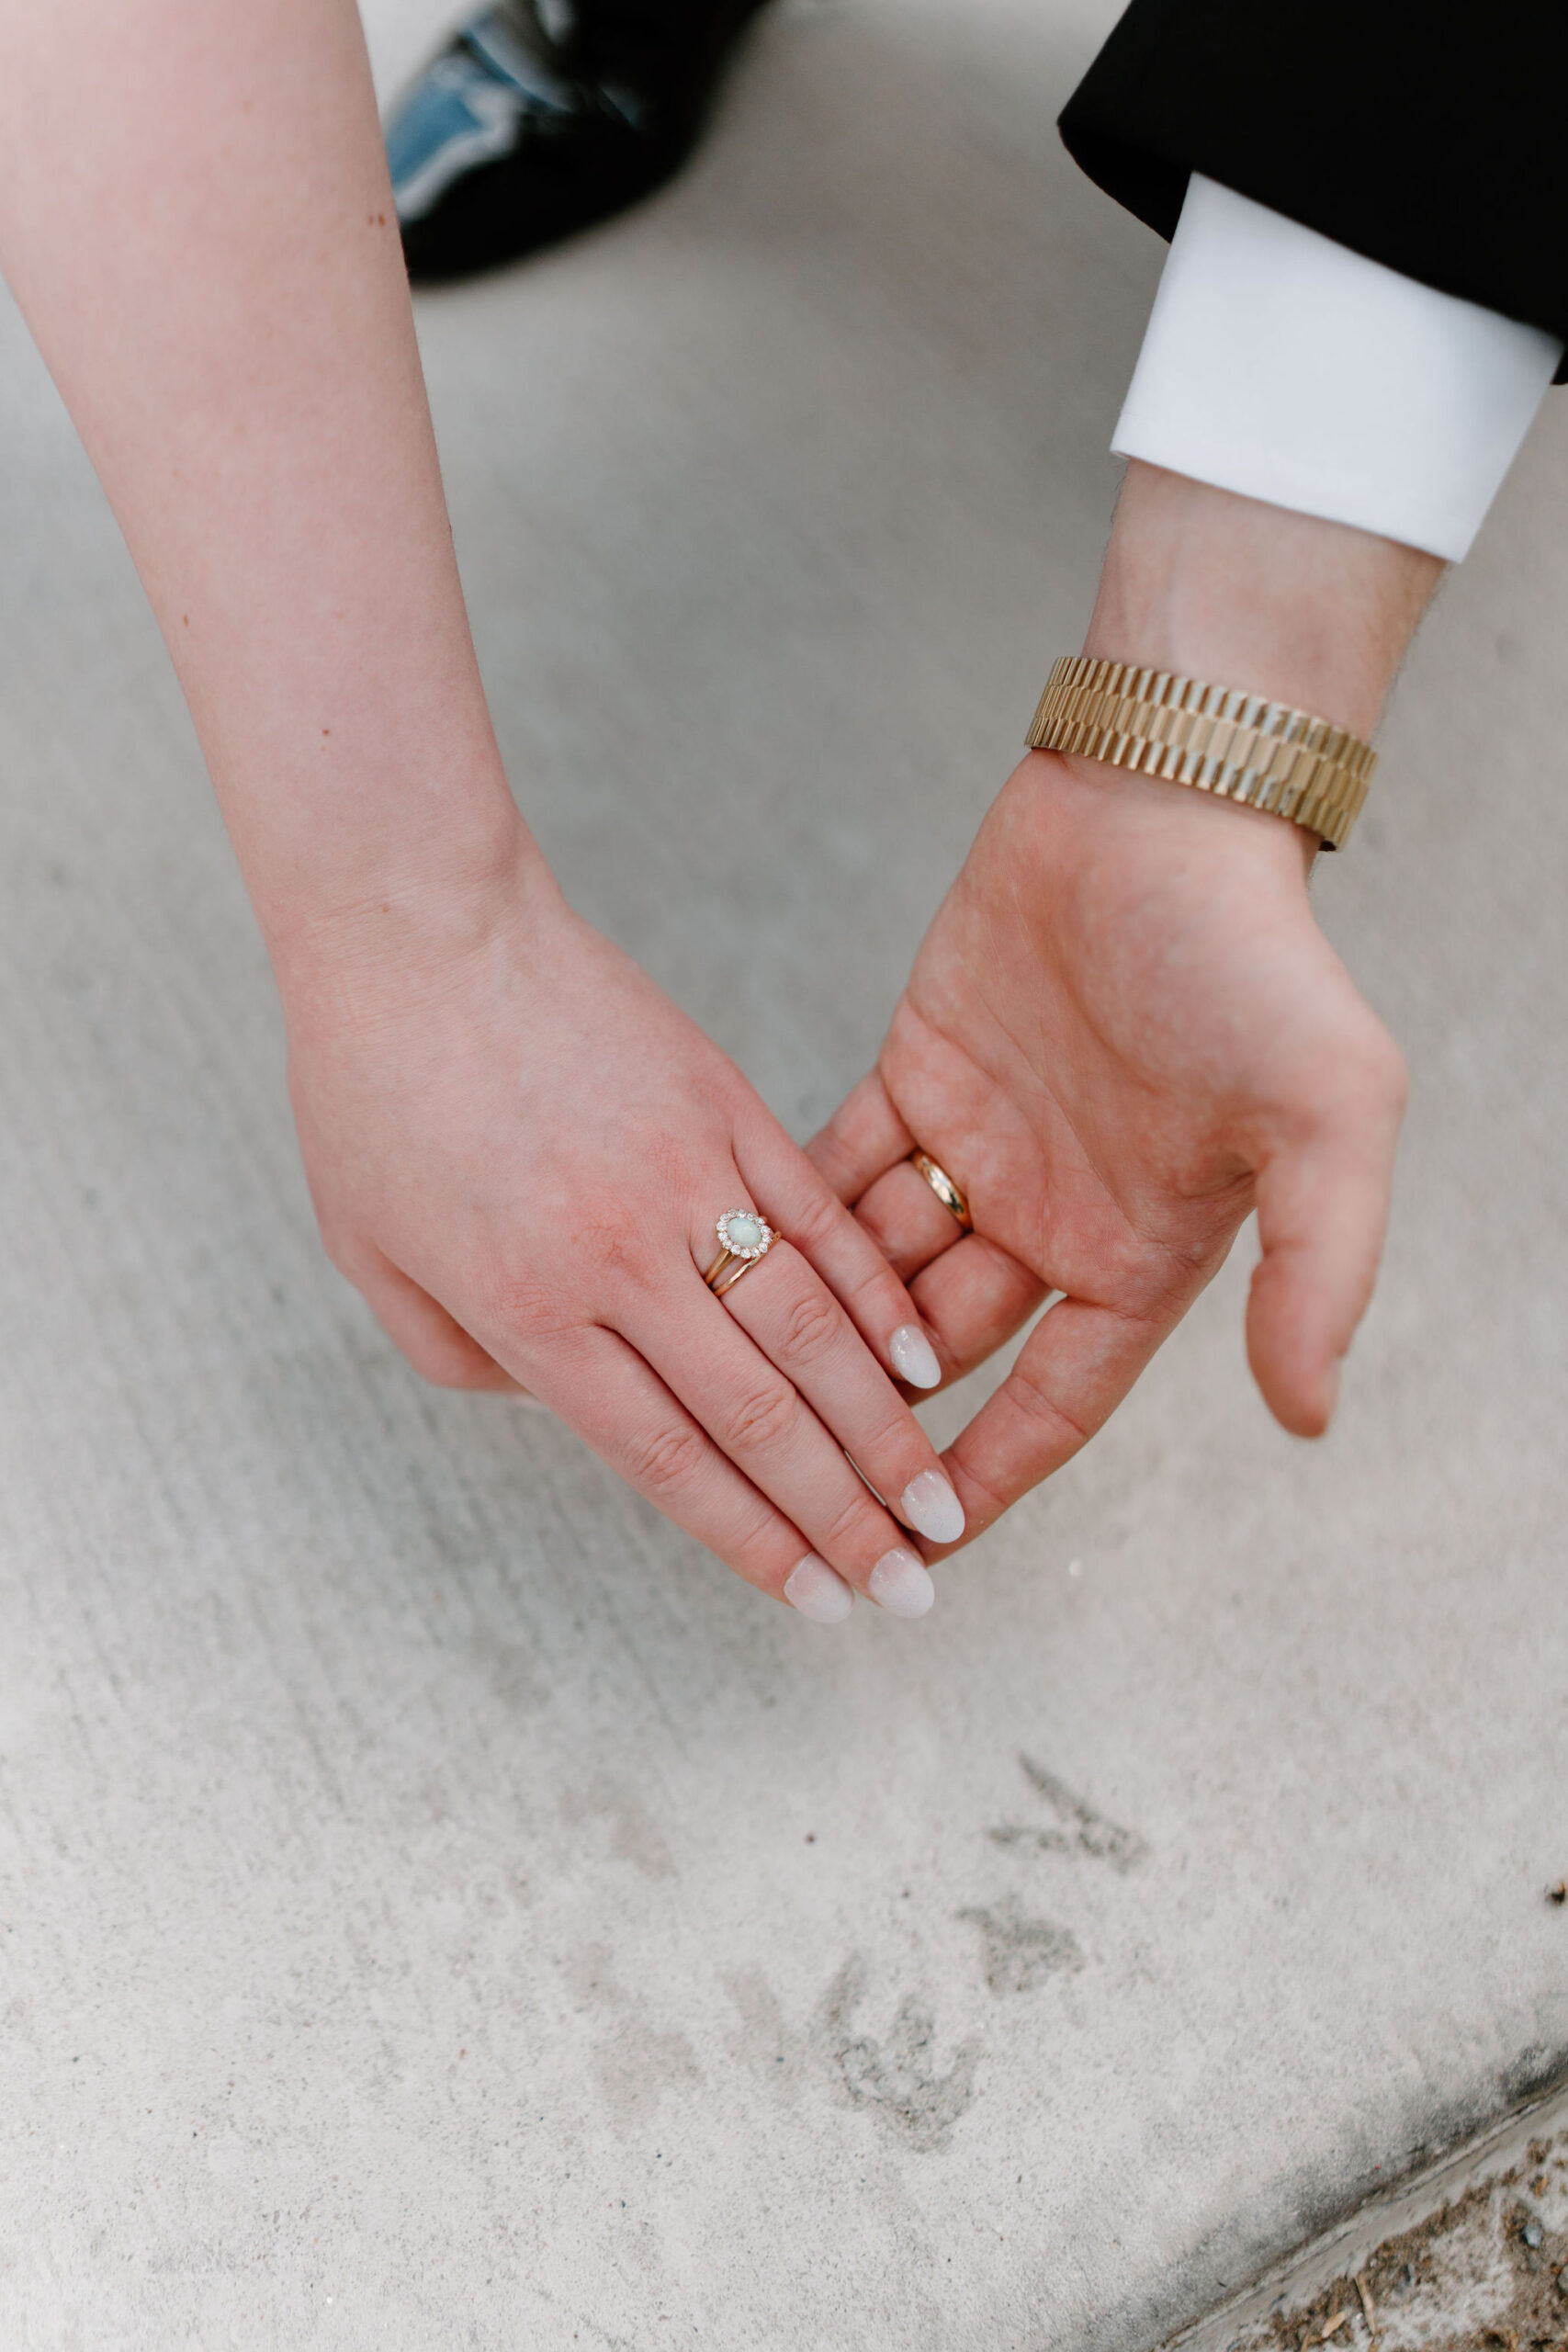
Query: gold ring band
column 744, row 1239
column 717, row 1281
column 944, row 1188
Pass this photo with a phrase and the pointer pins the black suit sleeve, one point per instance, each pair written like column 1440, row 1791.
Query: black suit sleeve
column 1430, row 136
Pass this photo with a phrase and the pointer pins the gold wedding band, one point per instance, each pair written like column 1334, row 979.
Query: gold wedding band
column 744, row 1237
column 944, row 1188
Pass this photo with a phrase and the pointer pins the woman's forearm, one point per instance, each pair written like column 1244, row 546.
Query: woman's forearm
column 518, row 1149
column 195, row 219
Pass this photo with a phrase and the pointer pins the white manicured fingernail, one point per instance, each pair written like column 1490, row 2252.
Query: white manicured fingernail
column 929, row 1505
column 818, row 1593
column 913, row 1357
column 900, row 1584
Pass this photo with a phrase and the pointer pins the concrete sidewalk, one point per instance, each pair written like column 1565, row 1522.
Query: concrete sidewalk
column 439, row 1907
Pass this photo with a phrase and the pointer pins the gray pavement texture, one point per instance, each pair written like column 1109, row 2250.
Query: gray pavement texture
column 439, row 1906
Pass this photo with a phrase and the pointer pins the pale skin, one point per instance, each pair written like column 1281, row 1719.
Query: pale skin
column 517, row 1145
column 1124, row 1029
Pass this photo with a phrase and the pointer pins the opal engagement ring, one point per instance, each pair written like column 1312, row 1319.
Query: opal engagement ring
column 744, row 1237
column 944, row 1188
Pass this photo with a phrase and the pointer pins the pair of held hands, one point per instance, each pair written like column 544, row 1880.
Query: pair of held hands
column 1122, row 1032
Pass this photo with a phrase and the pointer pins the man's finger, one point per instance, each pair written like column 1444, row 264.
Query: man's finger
column 910, row 1224
column 1072, row 1372
column 863, row 1138
column 1322, row 1214
column 972, row 1298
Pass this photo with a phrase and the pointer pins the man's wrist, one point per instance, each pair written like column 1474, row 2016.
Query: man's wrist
column 1172, row 824
column 1211, row 586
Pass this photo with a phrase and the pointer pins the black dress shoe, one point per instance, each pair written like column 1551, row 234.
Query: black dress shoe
column 541, row 117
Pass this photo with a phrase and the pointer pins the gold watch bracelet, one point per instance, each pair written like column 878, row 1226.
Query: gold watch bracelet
column 1216, row 739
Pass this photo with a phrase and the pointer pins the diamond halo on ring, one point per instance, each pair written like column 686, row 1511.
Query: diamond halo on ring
column 743, row 1237
column 745, row 1234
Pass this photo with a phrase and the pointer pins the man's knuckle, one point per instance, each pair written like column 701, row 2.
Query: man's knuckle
column 983, row 1500
column 1034, row 1399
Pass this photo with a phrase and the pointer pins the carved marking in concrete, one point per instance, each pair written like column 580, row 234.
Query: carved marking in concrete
column 897, row 2079
column 1022, row 1952
column 1078, row 1828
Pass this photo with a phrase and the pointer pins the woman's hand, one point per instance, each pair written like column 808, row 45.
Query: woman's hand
column 1124, row 1031
column 518, row 1148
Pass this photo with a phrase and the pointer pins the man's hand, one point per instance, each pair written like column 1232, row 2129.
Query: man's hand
column 1124, row 1028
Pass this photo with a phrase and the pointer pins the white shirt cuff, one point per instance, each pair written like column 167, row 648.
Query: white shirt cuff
column 1282, row 365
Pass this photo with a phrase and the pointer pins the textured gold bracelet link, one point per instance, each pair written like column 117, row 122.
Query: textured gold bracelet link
column 1216, row 739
